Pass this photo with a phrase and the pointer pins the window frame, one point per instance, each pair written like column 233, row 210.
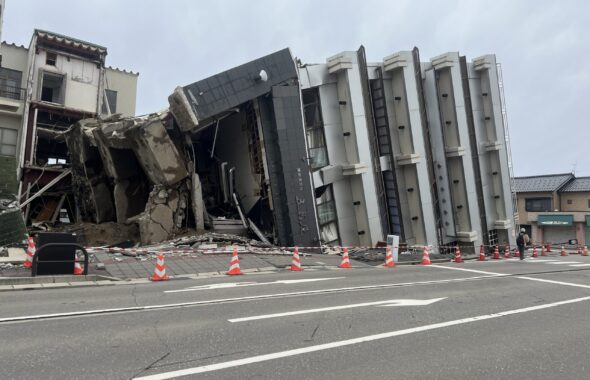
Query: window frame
column 112, row 108
column 528, row 208
column 11, row 79
column 328, row 196
column 315, row 126
column 62, row 92
column 3, row 143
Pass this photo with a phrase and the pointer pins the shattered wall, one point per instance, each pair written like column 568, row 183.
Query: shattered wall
column 129, row 170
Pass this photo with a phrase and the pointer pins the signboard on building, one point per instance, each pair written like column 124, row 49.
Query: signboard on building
column 555, row 220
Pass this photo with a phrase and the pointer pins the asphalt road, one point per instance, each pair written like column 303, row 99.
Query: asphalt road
column 476, row 320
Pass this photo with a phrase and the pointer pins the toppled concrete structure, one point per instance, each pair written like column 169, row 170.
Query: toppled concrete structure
column 129, row 170
column 230, row 155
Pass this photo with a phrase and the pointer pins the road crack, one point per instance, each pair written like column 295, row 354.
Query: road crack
column 313, row 334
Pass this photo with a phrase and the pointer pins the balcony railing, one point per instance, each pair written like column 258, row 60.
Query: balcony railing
column 15, row 93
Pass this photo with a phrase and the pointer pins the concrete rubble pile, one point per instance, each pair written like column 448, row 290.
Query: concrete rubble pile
column 131, row 171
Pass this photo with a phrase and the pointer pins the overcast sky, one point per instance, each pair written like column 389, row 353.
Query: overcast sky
column 543, row 46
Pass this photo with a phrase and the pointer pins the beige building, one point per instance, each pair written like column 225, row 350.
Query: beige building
column 44, row 89
column 555, row 208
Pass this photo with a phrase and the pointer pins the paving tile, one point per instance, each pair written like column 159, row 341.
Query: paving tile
column 27, row 286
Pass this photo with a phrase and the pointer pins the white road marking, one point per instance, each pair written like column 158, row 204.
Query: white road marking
column 555, row 282
column 520, row 277
column 226, row 285
column 350, row 342
column 564, row 262
column 388, row 303
column 468, row 270
column 580, row 265
column 77, row 314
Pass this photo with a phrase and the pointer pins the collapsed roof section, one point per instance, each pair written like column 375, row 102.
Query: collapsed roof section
column 197, row 105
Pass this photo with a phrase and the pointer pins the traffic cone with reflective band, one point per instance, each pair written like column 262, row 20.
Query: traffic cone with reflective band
column 458, row 258
column 425, row 257
column 389, row 258
column 516, row 252
column 543, row 252
column 295, row 261
column 535, row 252
column 234, row 266
column 78, row 270
column 585, row 251
column 345, row 263
column 496, row 253
column 548, row 247
column 160, row 269
column 482, row 254
column 30, row 252
column 563, row 252
column 579, row 250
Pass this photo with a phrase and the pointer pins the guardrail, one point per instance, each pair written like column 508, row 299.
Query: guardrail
column 15, row 93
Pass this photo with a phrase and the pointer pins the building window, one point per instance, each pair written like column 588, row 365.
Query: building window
column 588, row 203
column 50, row 59
column 52, row 88
column 538, row 204
column 314, row 128
column 569, row 202
column 111, row 101
column 8, row 142
column 327, row 219
column 10, row 81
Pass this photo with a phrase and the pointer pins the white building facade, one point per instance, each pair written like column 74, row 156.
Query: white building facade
column 416, row 149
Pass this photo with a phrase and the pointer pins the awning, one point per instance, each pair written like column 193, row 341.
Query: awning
column 555, row 220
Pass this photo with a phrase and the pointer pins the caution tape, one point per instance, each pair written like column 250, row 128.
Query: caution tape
column 277, row 250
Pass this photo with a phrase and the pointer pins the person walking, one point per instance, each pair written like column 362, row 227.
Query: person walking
column 522, row 241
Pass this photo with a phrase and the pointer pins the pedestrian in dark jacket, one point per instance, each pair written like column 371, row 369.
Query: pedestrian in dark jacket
column 521, row 241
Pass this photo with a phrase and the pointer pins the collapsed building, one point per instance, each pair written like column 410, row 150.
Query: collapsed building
column 233, row 160
column 341, row 153
column 344, row 152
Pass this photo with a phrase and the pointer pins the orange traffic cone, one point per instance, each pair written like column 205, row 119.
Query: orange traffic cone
column 345, row 263
column 425, row 257
column 543, row 252
column 458, row 258
column 535, row 251
column 548, row 247
column 389, row 258
column 563, row 252
column 295, row 261
column 30, row 252
column 234, row 266
column 482, row 254
column 78, row 270
column 496, row 253
column 585, row 251
column 160, row 269
column 507, row 252
column 579, row 250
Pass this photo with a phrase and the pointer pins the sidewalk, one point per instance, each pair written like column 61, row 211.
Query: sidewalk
column 142, row 266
